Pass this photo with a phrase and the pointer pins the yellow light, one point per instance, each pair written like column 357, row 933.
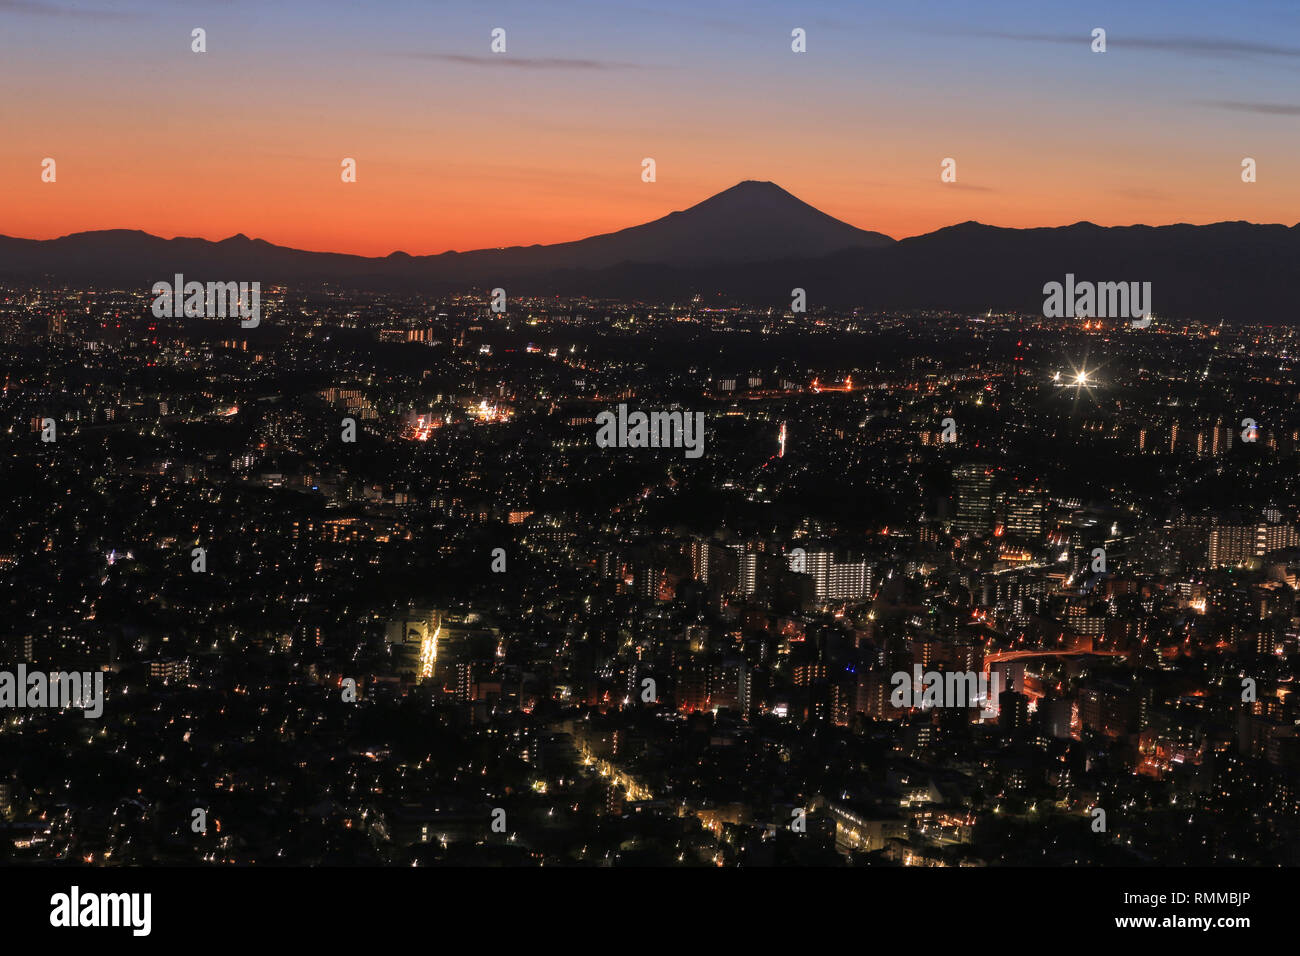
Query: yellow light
column 429, row 653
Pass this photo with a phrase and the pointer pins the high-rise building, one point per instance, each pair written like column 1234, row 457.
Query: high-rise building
column 746, row 570
column 745, row 692
column 974, row 499
column 1237, row 543
column 1026, row 513
column 1013, row 710
column 1271, row 537
column 700, row 549
column 646, row 580
column 835, row 577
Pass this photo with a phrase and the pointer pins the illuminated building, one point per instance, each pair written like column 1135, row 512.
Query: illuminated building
column 413, row 640
column 1026, row 513
column 837, row 577
column 746, row 569
column 1237, row 543
column 974, row 499
column 700, row 559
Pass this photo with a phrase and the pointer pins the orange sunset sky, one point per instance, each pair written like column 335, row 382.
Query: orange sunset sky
column 460, row 148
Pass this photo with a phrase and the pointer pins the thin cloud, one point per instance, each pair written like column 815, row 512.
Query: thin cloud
column 41, row 9
column 523, row 62
column 1272, row 109
column 1209, row 46
column 1188, row 45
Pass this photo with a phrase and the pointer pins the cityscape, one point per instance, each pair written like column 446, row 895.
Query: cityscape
column 514, row 467
column 364, row 587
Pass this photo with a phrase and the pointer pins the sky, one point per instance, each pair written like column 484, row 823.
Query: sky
column 461, row 148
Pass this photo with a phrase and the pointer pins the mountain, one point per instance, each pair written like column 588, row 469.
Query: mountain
column 752, row 243
column 750, row 222
column 1229, row 270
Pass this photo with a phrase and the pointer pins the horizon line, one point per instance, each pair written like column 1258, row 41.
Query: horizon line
column 544, row 245
column 547, row 245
